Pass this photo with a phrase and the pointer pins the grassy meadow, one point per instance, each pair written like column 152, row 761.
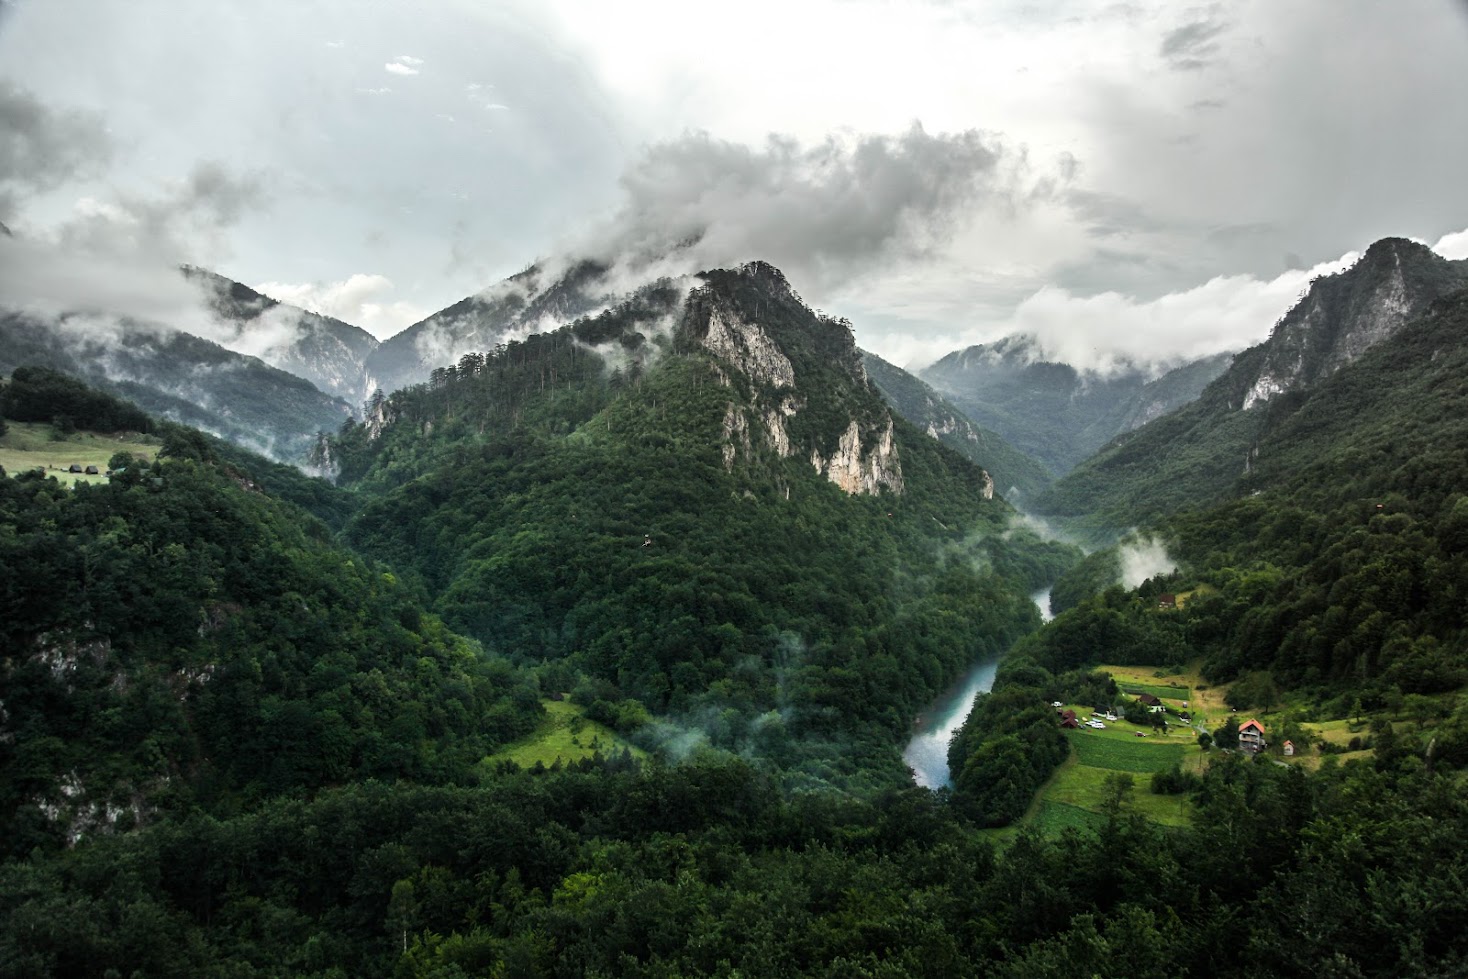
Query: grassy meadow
column 32, row 445
column 566, row 735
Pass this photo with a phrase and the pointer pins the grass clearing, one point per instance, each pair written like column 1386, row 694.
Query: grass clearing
column 1162, row 693
column 1084, row 787
column 1054, row 818
column 566, row 735
column 1118, row 754
column 32, row 445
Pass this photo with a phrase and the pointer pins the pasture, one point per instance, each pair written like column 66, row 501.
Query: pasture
column 565, row 735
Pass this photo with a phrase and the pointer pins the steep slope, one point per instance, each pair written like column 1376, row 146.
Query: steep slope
column 1201, row 453
column 1338, row 563
column 327, row 352
column 698, row 499
column 180, row 640
column 1051, row 411
column 180, row 377
column 533, row 301
column 1016, row 475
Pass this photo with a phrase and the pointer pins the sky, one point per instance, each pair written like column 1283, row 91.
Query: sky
column 1154, row 180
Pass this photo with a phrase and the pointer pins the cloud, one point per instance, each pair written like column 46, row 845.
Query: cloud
column 1143, row 558
column 186, row 222
column 404, row 64
column 361, row 299
column 1194, row 45
column 1454, row 246
column 42, row 148
column 824, row 213
column 1102, row 332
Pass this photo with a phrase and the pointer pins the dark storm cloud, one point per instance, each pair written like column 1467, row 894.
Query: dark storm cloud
column 1193, row 45
column 42, row 147
column 824, row 212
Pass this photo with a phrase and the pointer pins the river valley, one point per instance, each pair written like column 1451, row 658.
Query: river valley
column 927, row 752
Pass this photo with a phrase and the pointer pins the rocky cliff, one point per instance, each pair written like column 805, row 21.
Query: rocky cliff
column 1344, row 314
column 796, row 380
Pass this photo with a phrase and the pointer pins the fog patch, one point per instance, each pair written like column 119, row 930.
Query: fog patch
column 1142, row 558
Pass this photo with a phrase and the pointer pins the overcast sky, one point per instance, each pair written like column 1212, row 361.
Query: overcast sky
column 1150, row 177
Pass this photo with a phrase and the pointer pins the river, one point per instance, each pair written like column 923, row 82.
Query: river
column 927, row 753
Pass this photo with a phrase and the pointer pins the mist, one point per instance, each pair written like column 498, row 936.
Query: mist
column 1143, row 558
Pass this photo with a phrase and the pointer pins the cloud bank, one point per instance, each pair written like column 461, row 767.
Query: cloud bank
column 825, row 213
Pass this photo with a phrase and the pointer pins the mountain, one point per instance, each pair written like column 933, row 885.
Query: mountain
column 178, row 376
column 1052, row 411
column 327, row 352
column 1206, row 451
column 183, row 639
column 698, row 499
column 536, row 300
column 1015, row 474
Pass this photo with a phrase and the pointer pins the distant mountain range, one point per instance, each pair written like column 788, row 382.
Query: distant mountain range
column 1054, row 412
column 1214, row 448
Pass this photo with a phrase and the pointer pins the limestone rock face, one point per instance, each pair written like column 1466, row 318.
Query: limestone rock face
column 858, row 470
column 749, row 348
column 785, row 368
column 1345, row 314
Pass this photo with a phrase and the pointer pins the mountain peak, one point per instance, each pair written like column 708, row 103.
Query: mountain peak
column 1343, row 314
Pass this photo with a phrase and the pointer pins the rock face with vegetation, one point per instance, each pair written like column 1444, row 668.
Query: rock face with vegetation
column 1211, row 450
column 325, row 351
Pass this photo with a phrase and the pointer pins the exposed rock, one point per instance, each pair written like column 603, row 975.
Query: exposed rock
column 857, row 471
column 1345, row 314
column 749, row 348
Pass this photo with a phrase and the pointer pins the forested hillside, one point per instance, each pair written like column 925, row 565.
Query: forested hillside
column 703, row 504
column 1016, row 475
column 1210, row 450
column 229, row 745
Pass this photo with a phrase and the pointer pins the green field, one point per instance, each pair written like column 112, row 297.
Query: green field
column 31, row 445
column 1165, row 693
column 566, row 735
column 1084, row 787
column 1141, row 755
column 1052, row 818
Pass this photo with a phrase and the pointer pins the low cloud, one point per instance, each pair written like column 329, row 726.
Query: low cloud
column 1142, row 559
column 824, row 213
column 1454, row 246
column 362, row 299
column 42, row 148
column 185, row 222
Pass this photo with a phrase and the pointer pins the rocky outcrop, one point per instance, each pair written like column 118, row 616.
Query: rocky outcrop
column 748, row 348
column 1345, row 314
column 864, row 469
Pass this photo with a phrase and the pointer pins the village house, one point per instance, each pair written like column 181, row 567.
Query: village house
column 1251, row 736
column 1167, row 600
column 1289, row 748
column 1068, row 719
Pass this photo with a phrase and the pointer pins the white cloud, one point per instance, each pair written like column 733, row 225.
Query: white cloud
column 361, row 299
column 1454, row 246
column 1224, row 313
column 397, row 69
column 408, row 59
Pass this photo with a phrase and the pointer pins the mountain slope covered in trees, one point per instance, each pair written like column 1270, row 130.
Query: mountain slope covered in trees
column 699, row 498
column 1209, row 451
column 1052, row 411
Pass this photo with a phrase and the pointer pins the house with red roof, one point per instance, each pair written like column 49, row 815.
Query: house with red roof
column 1251, row 736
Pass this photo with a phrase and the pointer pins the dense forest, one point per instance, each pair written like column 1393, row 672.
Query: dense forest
column 249, row 719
